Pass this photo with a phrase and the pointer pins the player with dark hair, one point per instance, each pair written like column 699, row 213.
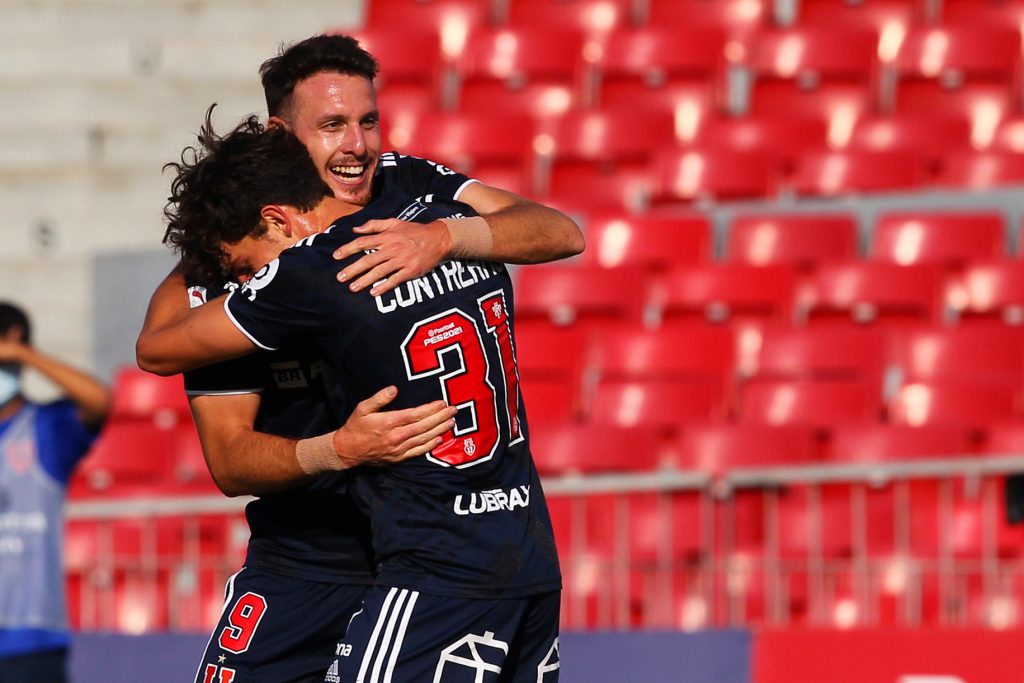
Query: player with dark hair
column 340, row 124
column 466, row 556
column 40, row 446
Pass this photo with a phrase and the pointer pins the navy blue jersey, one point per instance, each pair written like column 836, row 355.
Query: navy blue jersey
column 313, row 532
column 469, row 518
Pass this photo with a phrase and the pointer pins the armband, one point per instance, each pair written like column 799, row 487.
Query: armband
column 317, row 455
column 471, row 237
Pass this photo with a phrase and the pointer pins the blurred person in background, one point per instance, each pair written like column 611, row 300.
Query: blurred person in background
column 40, row 445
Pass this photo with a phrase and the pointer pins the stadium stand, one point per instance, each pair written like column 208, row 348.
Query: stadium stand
column 803, row 214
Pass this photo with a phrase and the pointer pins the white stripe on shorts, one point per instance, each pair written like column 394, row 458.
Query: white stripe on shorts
column 397, row 609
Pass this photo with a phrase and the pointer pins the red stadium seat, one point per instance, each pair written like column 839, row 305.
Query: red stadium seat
column 1004, row 438
column 551, row 400
column 663, row 404
column 544, row 351
column 960, row 64
column 915, row 134
column 878, row 443
column 833, row 173
column 452, row 20
column 485, row 146
column 591, row 154
column 970, row 405
column 651, row 242
column 593, row 449
column 687, row 176
column 737, row 17
column 981, row 170
column 662, row 378
column 1008, row 135
column 719, row 448
column 824, row 72
column 140, row 396
column 411, row 70
column 826, row 353
column 784, row 138
column 593, row 18
column 126, row 455
column 550, row 361
column 799, row 239
column 538, row 72
column 727, row 292
column 877, row 15
column 568, row 295
column 941, row 238
column 664, row 69
column 873, row 292
column 819, row 404
column 1006, row 13
column 991, row 292
column 703, row 354
column 970, row 355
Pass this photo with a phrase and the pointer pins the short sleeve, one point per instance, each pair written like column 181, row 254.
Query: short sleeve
column 288, row 297
column 422, row 177
column 229, row 377
column 62, row 437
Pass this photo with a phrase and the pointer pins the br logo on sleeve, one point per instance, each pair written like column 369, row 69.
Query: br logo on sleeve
column 263, row 277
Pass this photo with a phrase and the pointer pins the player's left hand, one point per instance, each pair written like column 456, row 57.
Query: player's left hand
column 401, row 251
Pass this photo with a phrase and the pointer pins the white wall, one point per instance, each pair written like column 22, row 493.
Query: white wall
column 95, row 96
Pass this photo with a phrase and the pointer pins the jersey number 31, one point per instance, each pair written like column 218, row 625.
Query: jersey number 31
column 450, row 347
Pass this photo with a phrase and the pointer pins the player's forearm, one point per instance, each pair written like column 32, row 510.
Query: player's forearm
column 198, row 337
column 532, row 233
column 517, row 230
column 92, row 397
column 253, row 463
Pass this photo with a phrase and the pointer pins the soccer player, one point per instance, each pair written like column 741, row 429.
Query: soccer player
column 466, row 557
column 302, row 97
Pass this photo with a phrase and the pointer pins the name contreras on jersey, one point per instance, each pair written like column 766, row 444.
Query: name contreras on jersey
column 448, row 276
column 491, row 501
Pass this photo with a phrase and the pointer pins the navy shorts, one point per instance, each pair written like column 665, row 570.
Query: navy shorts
column 48, row 666
column 404, row 636
column 277, row 629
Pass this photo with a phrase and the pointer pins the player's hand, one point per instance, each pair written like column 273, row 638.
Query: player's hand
column 402, row 251
column 373, row 437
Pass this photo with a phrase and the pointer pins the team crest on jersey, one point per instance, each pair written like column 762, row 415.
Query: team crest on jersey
column 468, row 446
column 196, row 296
column 263, row 277
column 20, row 455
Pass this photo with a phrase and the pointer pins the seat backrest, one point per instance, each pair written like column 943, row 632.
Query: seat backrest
column 802, row 239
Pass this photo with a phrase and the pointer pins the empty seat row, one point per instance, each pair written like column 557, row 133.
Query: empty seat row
column 820, row 72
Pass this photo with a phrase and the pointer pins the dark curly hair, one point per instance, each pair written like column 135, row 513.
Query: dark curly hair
column 222, row 185
column 330, row 53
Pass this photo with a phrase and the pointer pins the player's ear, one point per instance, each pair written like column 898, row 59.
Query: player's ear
column 277, row 122
column 277, row 219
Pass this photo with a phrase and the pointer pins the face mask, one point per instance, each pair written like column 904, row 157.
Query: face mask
column 10, row 385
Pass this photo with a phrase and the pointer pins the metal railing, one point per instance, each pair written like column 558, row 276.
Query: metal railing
column 909, row 543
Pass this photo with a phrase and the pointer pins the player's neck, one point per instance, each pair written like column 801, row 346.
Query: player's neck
column 332, row 208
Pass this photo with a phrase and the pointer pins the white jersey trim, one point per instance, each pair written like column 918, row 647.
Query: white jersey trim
column 242, row 329
column 223, row 392
column 462, row 188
